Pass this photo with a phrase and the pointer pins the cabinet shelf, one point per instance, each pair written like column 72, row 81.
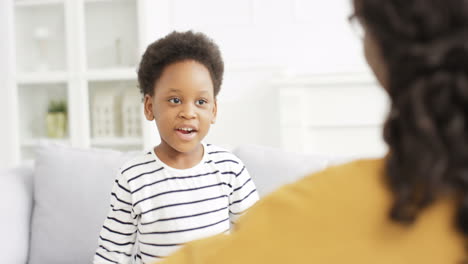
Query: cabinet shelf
column 116, row 141
column 117, row 74
column 114, row 74
column 106, row 1
column 31, row 142
column 37, row 2
column 42, row 77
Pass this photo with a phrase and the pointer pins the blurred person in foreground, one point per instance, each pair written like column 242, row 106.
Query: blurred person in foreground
column 410, row 206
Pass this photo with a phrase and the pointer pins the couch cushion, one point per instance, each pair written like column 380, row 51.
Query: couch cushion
column 71, row 194
column 15, row 205
column 270, row 167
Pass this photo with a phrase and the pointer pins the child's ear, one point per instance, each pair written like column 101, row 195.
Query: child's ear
column 215, row 112
column 148, row 107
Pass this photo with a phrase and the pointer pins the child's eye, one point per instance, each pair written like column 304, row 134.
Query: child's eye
column 201, row 102
column 174, row 100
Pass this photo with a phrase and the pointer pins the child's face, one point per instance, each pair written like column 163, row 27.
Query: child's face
column 183, row 105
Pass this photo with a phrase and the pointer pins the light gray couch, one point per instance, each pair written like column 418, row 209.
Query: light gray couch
column 52, row 211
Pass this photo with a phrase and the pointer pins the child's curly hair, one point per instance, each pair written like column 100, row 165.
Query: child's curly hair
column 176, row 47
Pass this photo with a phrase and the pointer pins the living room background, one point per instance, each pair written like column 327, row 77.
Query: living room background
column 295, row 76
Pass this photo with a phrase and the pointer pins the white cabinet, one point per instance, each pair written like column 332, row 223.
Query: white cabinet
column 334, row 114
column 78, row 55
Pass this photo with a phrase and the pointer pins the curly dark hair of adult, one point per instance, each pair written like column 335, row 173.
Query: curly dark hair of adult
column 176, row 47
column 424, row 44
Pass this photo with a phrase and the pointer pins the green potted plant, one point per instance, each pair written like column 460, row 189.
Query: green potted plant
column 56, row 119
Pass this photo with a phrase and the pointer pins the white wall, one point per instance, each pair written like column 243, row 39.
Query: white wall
column 8, row 134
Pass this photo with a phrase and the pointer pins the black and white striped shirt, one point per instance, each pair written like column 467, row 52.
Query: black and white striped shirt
column 155, row 208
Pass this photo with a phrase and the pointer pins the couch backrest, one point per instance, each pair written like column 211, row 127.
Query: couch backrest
column 16, row 199
column 71, row 193
column 271, row 167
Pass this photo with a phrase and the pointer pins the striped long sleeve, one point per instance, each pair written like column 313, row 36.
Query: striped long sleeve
column 118, row 234
column 244, row 193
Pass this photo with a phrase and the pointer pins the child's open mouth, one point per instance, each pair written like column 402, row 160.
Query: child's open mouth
column 186, row 130
column 186, row 133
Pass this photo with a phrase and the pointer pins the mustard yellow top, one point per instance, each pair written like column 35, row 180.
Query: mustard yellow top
column 339, row 215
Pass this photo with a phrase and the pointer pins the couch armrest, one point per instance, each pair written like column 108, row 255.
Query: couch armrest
column 16, row 201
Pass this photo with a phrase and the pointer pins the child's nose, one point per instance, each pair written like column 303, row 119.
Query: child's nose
column 188, row 112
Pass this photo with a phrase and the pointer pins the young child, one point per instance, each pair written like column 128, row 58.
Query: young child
column 182, row 189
